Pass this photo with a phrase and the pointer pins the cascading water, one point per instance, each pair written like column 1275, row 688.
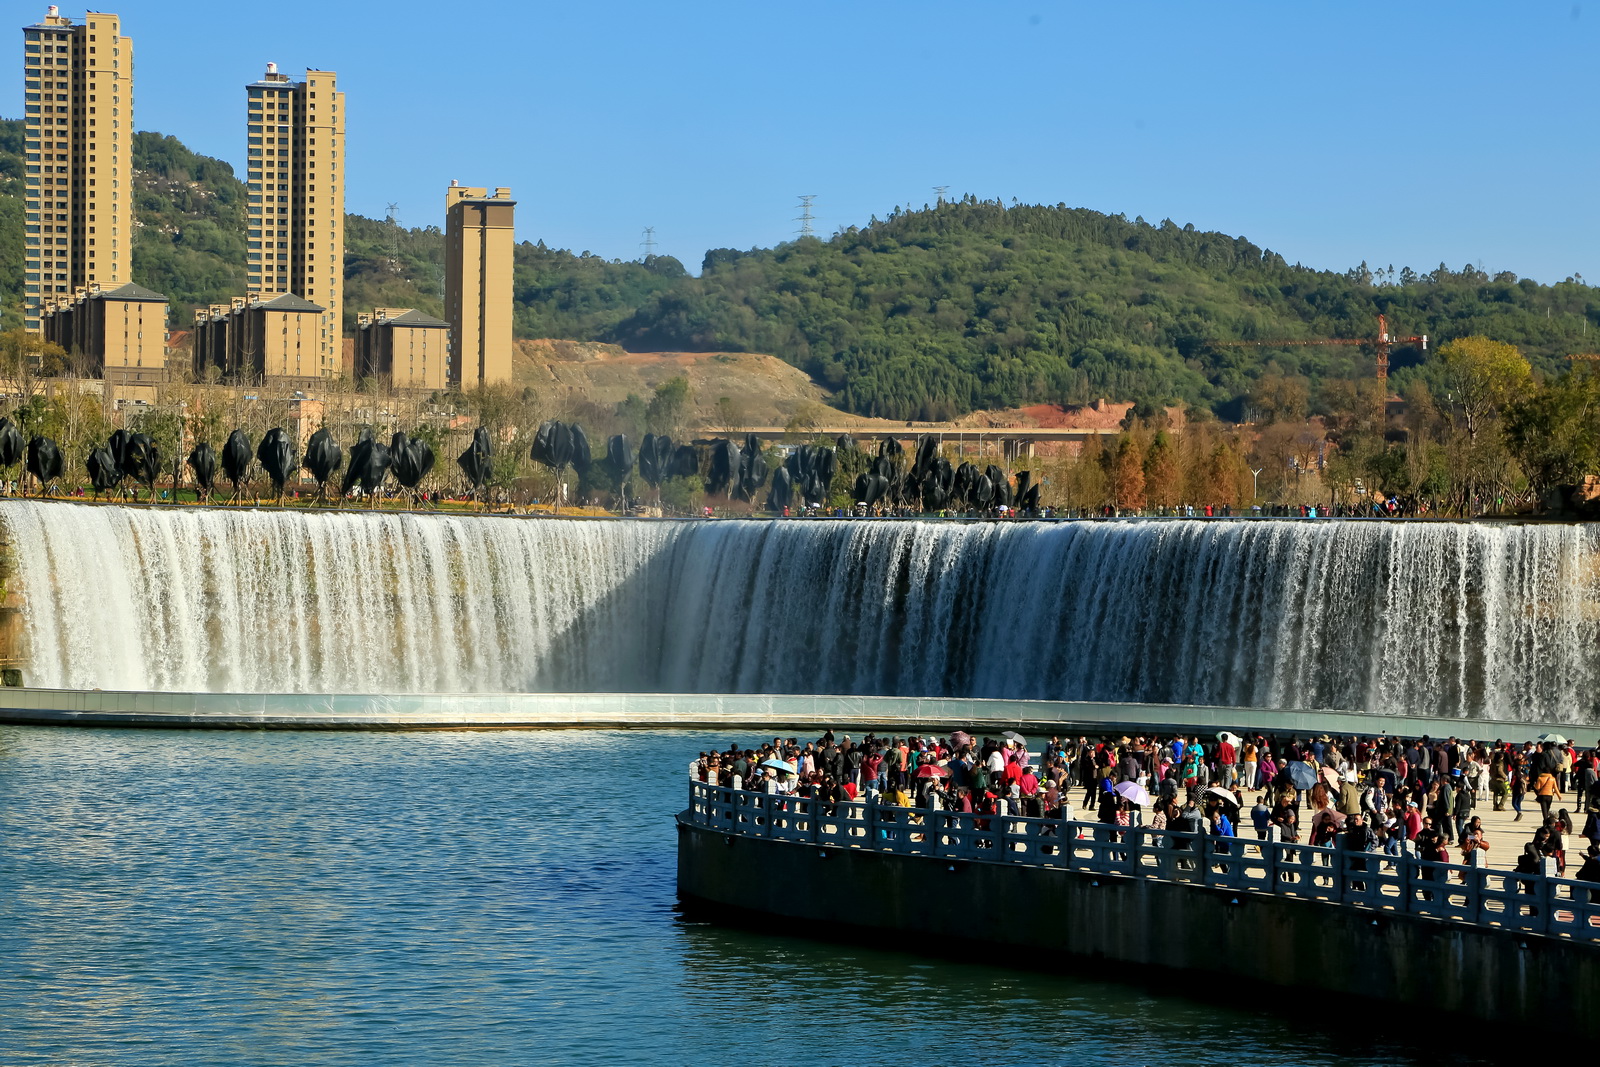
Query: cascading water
column 1499, row 621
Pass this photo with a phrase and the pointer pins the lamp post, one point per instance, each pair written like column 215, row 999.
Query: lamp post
column 1255, row 493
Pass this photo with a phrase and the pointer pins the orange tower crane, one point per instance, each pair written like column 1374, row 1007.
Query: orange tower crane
column 1382, row 343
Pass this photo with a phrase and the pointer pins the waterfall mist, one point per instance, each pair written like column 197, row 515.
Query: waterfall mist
column 1500, row 621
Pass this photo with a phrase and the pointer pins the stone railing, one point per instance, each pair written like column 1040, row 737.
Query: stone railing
column 1536, row 904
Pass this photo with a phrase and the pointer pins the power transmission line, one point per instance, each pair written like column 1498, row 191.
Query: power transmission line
column 938, row 193
column 649, row 241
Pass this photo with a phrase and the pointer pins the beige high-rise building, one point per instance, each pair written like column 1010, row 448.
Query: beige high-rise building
column 77, row 157
column 478, row 237
column 295, row 192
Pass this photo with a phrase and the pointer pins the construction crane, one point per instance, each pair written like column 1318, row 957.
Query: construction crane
column 1383, row 342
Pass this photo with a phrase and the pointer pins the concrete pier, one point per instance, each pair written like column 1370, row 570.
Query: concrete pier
column 1284, row 920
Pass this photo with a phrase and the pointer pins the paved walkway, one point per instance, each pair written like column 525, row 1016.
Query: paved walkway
column 1504, row 835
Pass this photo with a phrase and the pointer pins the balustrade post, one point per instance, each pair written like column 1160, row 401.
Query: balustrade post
column 1477, row 866
column 1135, row 841
column 1270, row 855
column 872, row 820
column 1547, row 893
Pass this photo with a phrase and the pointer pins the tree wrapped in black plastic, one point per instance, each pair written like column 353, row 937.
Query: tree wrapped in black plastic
column 981, row 495
column 552, row 445
column 782, row 491
column 582, row 455
column 369, row 463
column 870, row 488
column 618, row 464
column 236, row 461
column 685, row 462
column 141, row 461
column 1026, row 493
column 1002, row 486
column 926, row 455
column 966, row 479
column 752, row 468
column 11, row 444
column 827, row 467
column 104, row 474
column 477, row 462
column 44, row 462
column 938, row 485
column 203, row 462
column 323, row 459
column 412, row 459
column 655, row 459
column 276, row 456
column 724, row 467
column 117, row 445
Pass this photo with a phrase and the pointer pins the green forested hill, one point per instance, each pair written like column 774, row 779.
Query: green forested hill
column 925, row 314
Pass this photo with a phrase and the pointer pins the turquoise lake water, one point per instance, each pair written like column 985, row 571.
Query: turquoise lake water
column 476, row 898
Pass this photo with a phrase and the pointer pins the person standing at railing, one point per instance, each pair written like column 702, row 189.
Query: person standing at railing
column 1261, row 817
column 1530, row 862
column 1356, row 837
column 1473, row 839
column 1431, row 848
column 1590, row 871
column 1227, row 763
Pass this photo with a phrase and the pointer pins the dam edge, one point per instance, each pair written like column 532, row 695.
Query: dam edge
column 697, row 711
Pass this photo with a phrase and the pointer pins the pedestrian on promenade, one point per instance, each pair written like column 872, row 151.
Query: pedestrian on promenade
column 1547, row 790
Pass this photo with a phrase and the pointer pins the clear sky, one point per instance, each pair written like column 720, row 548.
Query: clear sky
column 1403, row 133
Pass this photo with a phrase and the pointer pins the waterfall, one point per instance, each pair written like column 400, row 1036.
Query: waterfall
column 1450, row 619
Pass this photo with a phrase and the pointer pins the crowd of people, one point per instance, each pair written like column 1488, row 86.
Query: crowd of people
column 1381, row 794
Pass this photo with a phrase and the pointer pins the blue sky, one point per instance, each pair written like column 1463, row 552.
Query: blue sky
column 1399, row 132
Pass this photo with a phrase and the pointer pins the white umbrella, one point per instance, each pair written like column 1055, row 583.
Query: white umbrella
column 1554, row 739
column 1133, row 792
column 1222, row 795
column 1226, row 736
column 1016, row 738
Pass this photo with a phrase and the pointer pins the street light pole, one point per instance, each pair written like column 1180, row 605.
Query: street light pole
column 1255, row 493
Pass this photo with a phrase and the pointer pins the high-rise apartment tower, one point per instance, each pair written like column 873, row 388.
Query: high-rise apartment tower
column 295, row 191
column 478, row 236
column 77, row 157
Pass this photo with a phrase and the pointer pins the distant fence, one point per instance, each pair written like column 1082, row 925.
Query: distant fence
column 1541, row 904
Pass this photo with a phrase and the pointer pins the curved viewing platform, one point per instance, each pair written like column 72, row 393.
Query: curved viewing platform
column 1541, row 904
column 514, row 711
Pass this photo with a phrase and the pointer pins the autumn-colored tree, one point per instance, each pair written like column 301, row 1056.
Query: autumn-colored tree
column 1163, row 478
column 1224, row 468
column 1127, row 475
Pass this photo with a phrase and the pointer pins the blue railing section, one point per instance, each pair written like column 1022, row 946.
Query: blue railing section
column 1536, row 904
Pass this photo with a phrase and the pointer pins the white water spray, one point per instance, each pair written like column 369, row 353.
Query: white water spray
column 1447, row 619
